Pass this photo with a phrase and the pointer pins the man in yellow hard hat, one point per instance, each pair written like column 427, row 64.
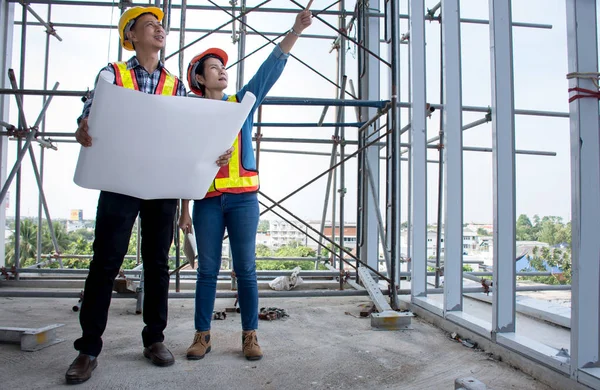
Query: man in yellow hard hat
column 140, row 30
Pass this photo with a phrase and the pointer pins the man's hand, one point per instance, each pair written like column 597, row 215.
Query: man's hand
column 303, row 20
column 81, row 135
column 224, row 158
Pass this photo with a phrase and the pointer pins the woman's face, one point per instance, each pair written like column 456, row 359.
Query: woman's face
column 214, row 76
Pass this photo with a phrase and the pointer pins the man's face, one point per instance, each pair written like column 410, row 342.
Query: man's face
column 147, row 32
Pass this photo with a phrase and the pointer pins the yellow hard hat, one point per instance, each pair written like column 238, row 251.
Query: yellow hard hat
column 129, row 17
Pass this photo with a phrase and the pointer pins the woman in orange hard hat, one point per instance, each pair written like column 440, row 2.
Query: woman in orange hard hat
column 231, row 202
column 140, row 30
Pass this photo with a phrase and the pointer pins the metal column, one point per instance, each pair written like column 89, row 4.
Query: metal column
column 453, row 162
column 418, row 153
column 341, row 118
column 369, row 90
column 241, row 50
column 21, row 124
column 7, row 11
column 393, row 171
column 585, row 185
column 42, row 150
column 503, row 160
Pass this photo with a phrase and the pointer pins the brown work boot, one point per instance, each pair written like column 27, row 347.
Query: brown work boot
column 251, row 348
column 81, row 369
column 159, row 355
column 200, row 346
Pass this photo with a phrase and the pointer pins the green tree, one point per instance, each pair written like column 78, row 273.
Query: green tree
column 523, row 221
column 86, row 234
column 540, row 257
column 263, row 251
column 80, row 246
column 263, row 226
column 63, row 238
column 482, row 232
column 293, row 249
column 27, row 244
column 550, row 229
column 524, row 229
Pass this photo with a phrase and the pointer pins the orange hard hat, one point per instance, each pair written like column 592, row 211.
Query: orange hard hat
column 129, row 17
column 191, row 73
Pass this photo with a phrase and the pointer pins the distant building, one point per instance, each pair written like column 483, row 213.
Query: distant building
column 349, row 234
column 263, row 238
column 350, row 240
column 282, row 233
column 470, row 240
column 75, row 221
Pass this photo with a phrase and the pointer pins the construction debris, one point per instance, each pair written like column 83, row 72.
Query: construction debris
column 8, row 273
column 466, row 342
column 219, row 315
column 272, row 313
column 77, row 307
column 286, row 283
column 367, row 310
column 122, row 285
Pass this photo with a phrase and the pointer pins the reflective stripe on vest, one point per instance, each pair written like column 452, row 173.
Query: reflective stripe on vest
column 167, row 84
column 233, row 178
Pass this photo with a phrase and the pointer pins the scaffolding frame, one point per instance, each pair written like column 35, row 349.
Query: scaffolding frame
column 582, row 364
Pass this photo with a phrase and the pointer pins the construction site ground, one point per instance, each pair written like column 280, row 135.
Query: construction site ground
column 324, row 344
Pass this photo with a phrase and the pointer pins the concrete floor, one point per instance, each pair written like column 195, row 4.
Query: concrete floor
column 317, row 347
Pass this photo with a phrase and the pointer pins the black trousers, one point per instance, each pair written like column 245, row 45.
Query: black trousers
column 115, row 218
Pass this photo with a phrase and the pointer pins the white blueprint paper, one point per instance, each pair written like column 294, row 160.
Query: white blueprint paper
column 154, row 146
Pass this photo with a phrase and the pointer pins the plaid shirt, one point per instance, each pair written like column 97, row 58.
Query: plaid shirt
column 146, row 82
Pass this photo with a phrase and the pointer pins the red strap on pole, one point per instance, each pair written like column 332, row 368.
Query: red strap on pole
column 583, row 93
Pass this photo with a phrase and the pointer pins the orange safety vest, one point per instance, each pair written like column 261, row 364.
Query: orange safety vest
column 233, row 178
column 167, row 84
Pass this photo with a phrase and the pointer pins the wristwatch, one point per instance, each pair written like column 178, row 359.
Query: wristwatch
column 294, row 32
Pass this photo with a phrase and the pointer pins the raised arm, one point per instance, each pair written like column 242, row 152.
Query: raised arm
column 271, row 69
column 303, row 20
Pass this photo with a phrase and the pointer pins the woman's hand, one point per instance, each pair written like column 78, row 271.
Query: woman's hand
column 224, row 158
column 185, row 222
column 303, row 20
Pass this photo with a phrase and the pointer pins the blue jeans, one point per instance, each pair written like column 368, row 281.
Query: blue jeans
column 239, row 214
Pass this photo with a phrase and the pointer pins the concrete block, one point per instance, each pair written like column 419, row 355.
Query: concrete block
column 31, row 339
column 391, row 320
column 469, row 383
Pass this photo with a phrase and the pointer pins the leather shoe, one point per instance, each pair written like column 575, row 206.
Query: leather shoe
column 159, row 355
column 81, row 369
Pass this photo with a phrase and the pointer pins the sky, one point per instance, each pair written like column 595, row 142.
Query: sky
column 540, row 66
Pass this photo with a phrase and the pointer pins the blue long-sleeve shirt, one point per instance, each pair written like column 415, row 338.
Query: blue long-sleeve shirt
column 147, row 82
column 259, row 86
